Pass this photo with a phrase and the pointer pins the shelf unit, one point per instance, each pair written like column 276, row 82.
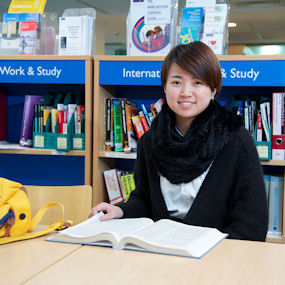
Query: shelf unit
column 110, row 81
column 76, row 74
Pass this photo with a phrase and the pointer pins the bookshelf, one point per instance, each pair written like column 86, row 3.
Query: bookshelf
column 110, row 80
column 39, row 75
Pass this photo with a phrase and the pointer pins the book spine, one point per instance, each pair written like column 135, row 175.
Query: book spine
column 145, row 112
column 27, row 120
column 138, row 126
column 126, row 146
column 246, row 115
column 265, row 123
column 276, row 193
column 259, row 127
column 143, row 120
column 128, row 184
column 130, row 130
column 108, row 144
column 118, row 135
column 119, row 173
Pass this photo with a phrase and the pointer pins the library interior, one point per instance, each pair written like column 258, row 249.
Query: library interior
column 98, row 116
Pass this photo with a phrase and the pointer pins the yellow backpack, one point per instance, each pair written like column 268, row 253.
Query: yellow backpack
column 15, row 214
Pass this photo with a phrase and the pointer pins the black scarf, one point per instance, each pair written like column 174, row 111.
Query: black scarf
column 182, row 159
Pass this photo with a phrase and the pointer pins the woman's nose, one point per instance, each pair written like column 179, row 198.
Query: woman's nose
column 187, row 90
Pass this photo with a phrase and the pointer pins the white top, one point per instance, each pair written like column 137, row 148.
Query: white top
column 180, row 197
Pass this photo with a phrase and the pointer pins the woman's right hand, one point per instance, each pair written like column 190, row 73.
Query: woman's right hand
column 110, row 211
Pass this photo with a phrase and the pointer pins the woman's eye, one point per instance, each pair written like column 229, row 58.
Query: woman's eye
column 198, row 83
column 176, row 83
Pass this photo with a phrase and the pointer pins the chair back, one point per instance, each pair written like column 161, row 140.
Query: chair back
column 77, row 201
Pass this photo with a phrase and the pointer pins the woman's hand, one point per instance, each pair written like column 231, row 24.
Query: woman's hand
column 110, row 211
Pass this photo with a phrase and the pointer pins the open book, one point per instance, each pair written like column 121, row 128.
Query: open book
column 143, row 234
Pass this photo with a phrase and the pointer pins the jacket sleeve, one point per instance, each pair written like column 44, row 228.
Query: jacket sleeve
column 248, row 215
column 138, row 204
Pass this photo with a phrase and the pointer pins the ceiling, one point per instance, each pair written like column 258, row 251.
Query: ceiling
column 258, row 21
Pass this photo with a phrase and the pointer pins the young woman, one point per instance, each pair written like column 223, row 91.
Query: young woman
column 197, row 164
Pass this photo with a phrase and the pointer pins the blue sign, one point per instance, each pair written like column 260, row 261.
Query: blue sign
column 234, row 73
column 253, row 73
column 42, row 71
column 130, row 72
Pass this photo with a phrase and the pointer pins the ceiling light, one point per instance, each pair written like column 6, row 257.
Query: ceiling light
column 232, row 25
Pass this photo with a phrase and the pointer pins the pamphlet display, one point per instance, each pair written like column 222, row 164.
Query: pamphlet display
column 204, row 21
column 151, row 27
column 76, row 32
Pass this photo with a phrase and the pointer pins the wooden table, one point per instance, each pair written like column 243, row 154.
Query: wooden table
column 25, row 259
column 230, row 262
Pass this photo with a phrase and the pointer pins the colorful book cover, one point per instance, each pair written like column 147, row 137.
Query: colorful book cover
column 138, row 126
column 113, row 187
column 128, row 183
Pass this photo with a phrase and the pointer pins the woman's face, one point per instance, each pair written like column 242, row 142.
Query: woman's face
column 186, row 96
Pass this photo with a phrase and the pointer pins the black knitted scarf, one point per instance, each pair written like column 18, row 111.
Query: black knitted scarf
column 182, row 159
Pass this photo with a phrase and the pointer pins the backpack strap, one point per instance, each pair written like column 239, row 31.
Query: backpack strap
column 35, row 221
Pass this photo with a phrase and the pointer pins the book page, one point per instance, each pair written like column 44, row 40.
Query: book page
column 119, row 228
column 173, row 235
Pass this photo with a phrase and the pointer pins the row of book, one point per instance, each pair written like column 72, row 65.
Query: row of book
column 257, row 116
column 119, row 185
column 265, row 120
column 126, row 121
column 274, row 185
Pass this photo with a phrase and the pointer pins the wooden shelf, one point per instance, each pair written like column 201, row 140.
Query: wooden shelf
column 273, row 162
column 43, row 152
column 113, row 154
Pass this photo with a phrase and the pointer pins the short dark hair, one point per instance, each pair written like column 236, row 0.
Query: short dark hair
column 197, row 59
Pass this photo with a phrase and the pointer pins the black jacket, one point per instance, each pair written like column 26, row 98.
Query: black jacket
column 232, row 197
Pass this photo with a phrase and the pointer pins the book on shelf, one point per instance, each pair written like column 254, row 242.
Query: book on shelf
column 131, row 109
column 143, row 121
column 26, row 138
column 143, row 234
column 266, row 122
column 118, row 129
column 107, row 132
column 276, row 194
column 137, row 123
column 113, row 186
column 278, row 123
column 127, row 184
column 267, row 185
column 126, row 145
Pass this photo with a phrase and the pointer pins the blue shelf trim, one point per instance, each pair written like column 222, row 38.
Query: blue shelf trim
column 235, row 73
column 42, row 71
